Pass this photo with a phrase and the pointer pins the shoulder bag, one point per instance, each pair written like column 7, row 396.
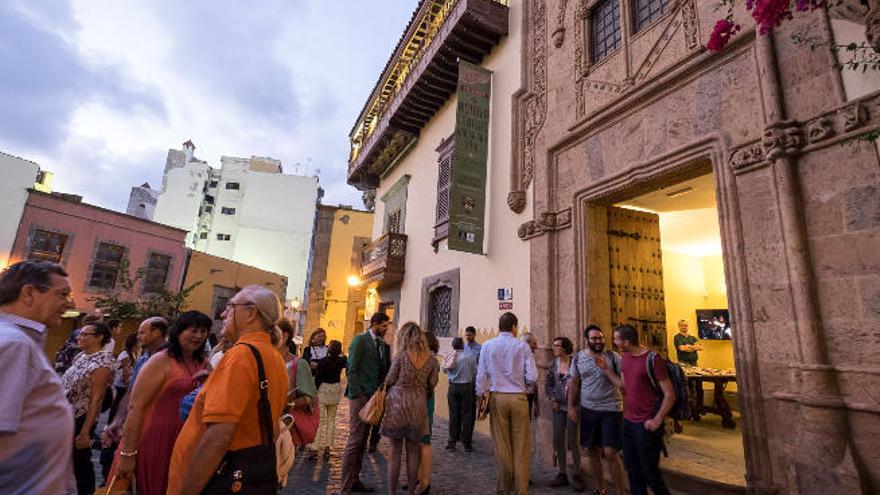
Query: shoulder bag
column 250, row 471
column 374, row 409
column 305, row 419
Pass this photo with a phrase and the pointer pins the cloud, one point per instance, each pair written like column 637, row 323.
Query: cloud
column 100, row 89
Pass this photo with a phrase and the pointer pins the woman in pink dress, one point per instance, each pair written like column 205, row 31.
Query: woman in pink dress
column 154, row 410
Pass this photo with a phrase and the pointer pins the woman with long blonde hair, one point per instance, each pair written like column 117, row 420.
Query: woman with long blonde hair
column 412, row 378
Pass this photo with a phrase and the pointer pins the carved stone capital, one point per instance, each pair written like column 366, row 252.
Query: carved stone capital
column 854, row 116
column 782, row 139
column 747, row 155
column 548, row 221
column 516, row 201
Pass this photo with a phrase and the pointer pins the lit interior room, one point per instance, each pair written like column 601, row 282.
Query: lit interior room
column 695, row 297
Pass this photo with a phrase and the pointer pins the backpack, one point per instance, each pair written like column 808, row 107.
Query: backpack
column 681, row 409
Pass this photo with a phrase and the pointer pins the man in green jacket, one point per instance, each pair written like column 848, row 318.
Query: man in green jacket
column 369, row 358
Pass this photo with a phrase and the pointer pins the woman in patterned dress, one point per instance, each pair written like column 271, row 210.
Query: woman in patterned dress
column 412, row 377
column 86, row 381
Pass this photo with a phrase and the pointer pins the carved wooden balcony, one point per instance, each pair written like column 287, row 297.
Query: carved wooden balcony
column 419, row 78
column 382, row 262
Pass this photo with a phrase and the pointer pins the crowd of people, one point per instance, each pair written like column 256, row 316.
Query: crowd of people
column 172, row 393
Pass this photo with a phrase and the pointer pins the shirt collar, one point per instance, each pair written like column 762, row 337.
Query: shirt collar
column 373, row 334
column 255, row 337
column 24, row 322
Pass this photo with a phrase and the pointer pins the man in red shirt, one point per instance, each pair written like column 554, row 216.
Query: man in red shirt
column 644, row 408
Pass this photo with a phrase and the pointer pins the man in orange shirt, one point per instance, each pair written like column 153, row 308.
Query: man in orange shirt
column 225, row 416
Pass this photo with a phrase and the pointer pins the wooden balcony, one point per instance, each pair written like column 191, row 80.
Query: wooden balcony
column 419, row 78
column 382, row 262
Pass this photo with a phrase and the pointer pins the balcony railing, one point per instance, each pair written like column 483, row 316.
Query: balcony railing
column 382, row 262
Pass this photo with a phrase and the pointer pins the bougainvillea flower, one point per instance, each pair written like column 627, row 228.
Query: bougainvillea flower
column 721, row 34
column 770, row 13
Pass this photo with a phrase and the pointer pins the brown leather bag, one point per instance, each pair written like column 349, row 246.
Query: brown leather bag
column 373, row 410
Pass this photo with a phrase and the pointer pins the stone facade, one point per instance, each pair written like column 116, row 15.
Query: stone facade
column 798, row 204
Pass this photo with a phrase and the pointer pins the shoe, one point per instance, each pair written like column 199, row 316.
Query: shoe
column 600, row 492
column 560, row 480
column 426, row 491
column 372, row 448
column 327, row 454
column 450, row 446
column 468, row 447
column 359, row 487
column 577, row 483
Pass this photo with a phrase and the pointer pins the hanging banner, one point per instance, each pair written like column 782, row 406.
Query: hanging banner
column 467, row 193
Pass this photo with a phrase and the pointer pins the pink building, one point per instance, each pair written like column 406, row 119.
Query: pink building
column 92, row 242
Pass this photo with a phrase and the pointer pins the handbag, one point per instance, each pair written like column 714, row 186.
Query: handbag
column 483, row 408
column 373, row 410
column 250, row 471
column 305, row 420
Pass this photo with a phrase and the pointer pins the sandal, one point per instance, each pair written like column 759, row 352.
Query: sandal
column 327, row 454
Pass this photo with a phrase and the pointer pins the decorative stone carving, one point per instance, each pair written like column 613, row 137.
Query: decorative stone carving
column 559, row 32
column 536, row 102
column 782, row 139
column 872, row 26
column 819, row 129
column 580, row 17
column 516, row 201
column 602, row 87
column 369, row 199
column 691, row 24
column 747, row 155
column 854, row 116
column 848, row 10
column 548, row 221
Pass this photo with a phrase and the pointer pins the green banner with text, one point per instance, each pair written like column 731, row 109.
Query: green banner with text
column 467, row 192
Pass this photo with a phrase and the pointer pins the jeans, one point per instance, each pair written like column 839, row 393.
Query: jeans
column 82, row 461
column 565, row 438
column 461, row 400
column 641, row 456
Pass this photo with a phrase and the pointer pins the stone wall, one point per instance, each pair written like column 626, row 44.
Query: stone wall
column 798, row 207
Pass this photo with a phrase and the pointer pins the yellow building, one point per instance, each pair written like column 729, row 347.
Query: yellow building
column 336, row 299
column 220, row 279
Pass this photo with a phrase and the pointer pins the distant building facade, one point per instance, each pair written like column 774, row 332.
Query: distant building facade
column 336, row 300
column 248, row 211
column 142, row 201
column 18, row 176
column 219, row 279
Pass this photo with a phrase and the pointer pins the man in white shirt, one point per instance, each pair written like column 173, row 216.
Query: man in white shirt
column 36, row 421
column 506, row 370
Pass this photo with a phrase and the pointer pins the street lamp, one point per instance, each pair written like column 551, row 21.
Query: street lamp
column 354, row 280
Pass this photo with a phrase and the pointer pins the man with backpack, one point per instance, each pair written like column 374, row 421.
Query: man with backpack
column 646, row 383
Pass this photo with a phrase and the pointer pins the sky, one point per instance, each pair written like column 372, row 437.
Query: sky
column 97, row 91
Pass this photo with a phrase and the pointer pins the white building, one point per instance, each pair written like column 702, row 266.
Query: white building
column 18, row 176
column 248, row 211
column 142, row 201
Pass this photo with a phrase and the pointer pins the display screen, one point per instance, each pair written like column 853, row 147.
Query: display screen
column 714, row 324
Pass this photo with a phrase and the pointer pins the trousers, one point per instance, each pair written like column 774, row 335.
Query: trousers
column 356, row 447
column 641, row 456
column 565, row 440
column 461, row 412
column 510, row 425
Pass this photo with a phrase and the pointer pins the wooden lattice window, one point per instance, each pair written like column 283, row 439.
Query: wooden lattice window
column 156, row 272
column 394, row 222
column 440, row 311
column 46, row 245
column 605, row 29
column 105, row 270
column 444, row 184
column 646, row 11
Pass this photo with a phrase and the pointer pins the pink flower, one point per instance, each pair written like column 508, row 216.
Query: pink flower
column 721, row 34
column 770, row 13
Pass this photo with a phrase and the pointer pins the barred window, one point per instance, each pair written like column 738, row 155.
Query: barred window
column 105, row 270
column 393, row 222
column 223, row 237
column 444, row 184
column 605, row 29
column 156, row 272
column 233, row 185
column 645, row 11
column 440, row 311
column 46, row 245
column 227, row 211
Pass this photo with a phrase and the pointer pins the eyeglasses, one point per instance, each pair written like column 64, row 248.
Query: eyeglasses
column 232, row 305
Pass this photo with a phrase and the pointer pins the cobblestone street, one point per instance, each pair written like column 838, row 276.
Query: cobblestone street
column 453, row 472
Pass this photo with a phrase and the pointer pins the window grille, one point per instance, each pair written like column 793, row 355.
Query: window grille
column 233, row 185
column 646, row 11
column 605, row 29
column 227, row 211
column 440, row 311
column 105, row 270
column 444, row 184
column 394, row 222
column 223, row 237
column 47, row 246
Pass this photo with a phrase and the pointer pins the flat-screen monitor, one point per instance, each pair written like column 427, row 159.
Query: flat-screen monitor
column 714, row 324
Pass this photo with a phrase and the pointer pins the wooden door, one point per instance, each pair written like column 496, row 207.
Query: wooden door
column 636, row 275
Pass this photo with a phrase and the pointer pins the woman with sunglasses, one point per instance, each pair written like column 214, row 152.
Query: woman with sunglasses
column 85, row 383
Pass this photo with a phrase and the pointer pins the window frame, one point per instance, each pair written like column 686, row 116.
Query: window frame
column 226, row 210
column 31, row 251
column 592, row 32
column 224, row 237
column 229, row 186
column 634, row 12
column 152, row 288
column 445, row 158
column 98, row 264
